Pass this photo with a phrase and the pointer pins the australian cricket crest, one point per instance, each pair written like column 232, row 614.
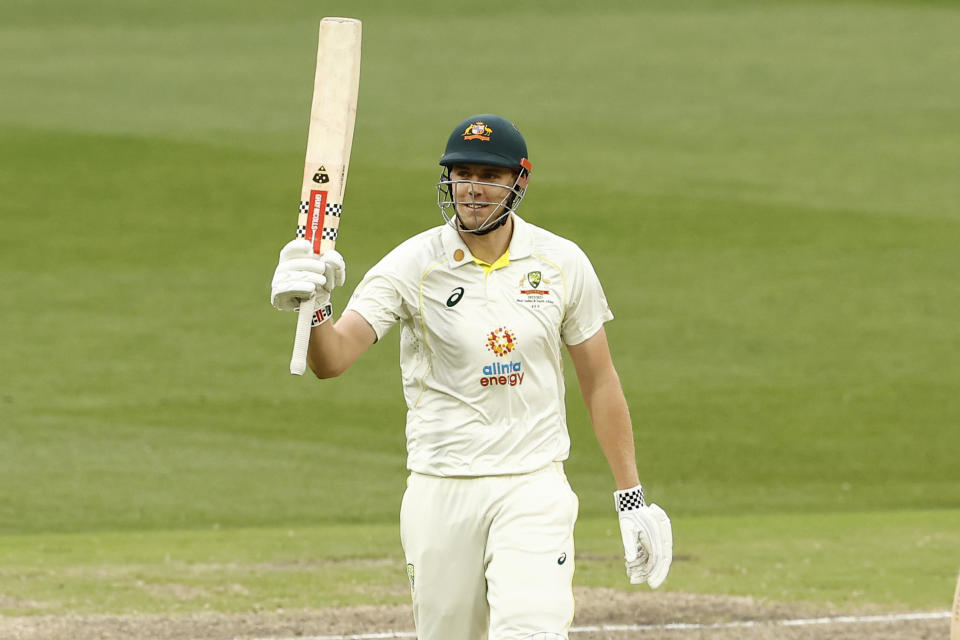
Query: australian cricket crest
column 477, row 131
column 535, row 290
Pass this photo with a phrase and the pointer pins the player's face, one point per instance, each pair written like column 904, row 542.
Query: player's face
column 480, row 196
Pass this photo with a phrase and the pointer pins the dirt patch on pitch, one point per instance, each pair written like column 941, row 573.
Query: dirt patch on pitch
column 595, row 608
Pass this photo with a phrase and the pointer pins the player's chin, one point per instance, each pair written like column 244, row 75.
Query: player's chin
column 472, row 217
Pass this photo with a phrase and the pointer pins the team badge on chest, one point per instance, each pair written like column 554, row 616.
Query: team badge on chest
column 530, row 284
column 535, row 291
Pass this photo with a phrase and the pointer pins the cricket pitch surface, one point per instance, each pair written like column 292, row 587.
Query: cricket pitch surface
column 602, row 614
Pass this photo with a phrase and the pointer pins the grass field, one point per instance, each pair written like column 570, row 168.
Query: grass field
column 768, row 191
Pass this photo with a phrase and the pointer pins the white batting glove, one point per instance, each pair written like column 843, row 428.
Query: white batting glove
column 647, row 537
column 301, row 274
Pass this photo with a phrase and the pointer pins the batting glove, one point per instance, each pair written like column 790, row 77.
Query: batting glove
column 301, row 274
column 647, row 537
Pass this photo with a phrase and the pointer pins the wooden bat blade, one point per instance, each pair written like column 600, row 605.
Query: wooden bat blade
column 333, row 112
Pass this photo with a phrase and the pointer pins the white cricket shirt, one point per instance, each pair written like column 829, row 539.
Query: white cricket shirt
column 480, row 349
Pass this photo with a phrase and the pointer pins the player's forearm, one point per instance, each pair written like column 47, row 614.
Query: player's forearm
column 334, row 346
column 326, row 356
column 614, row 431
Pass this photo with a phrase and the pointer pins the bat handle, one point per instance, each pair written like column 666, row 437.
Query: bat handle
column 298, row 363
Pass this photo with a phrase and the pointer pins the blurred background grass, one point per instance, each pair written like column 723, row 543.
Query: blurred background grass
column 767, row 190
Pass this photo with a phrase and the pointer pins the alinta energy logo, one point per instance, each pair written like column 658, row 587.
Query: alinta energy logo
column 501, row 342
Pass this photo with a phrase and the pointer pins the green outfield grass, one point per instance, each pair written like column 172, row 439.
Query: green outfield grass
column 849, row 560
column 767, row 190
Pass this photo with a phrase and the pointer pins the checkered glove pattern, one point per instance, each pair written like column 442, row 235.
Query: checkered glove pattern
column 629, row 499
column 647, row 537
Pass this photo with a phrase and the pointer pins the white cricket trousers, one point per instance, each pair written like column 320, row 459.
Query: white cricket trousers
column 491, row 556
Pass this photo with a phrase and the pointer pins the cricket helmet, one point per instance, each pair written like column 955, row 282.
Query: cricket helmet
column 485, row 139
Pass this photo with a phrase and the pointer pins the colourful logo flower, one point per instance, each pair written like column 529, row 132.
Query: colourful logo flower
column 501, row 341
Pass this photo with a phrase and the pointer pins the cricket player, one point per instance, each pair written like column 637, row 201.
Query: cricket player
column 485, row 304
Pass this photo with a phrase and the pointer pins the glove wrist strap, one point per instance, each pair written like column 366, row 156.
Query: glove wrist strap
column 322, row 314
column 629, row 499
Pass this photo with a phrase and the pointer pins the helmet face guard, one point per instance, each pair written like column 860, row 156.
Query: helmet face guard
column 491, row 140
column 513, row 195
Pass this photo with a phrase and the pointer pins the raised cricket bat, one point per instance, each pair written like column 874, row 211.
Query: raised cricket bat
column 332, row 116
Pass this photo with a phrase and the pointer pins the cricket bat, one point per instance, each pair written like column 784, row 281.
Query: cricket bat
column 332, row 115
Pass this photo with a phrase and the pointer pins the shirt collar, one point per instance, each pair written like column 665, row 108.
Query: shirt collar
column 521, row 243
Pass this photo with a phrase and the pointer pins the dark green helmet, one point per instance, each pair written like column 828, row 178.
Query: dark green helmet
column 486, row 139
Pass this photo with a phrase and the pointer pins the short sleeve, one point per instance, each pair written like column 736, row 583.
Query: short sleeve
column 586, row 305
column 378, row 299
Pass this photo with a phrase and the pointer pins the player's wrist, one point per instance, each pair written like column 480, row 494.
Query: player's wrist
column 323, row 313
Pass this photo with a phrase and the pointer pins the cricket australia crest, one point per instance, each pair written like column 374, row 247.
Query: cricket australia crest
column 535, row 290
column 477, row 131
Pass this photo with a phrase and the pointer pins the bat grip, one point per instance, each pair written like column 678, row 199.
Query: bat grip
column 298, row 363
